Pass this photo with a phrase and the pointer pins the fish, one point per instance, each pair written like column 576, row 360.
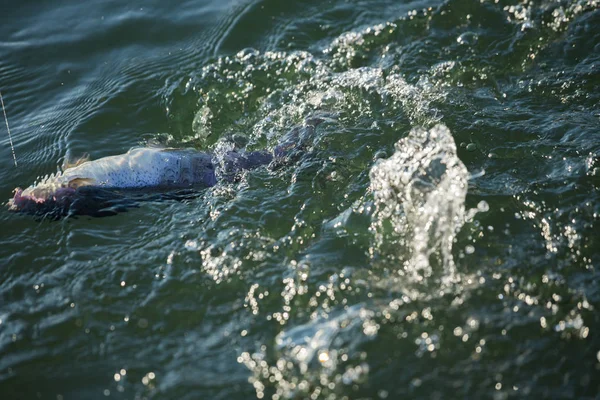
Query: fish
column 141, row 168
column 104, row 186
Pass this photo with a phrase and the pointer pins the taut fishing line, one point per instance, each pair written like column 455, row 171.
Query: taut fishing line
column 8, row 130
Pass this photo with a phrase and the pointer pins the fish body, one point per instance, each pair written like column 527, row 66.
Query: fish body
column 141, row 167
column 145, row 167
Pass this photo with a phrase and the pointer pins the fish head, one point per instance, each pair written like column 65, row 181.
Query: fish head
column 41, row 198
column 53, row 192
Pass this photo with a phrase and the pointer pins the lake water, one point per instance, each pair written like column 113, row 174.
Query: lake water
column 437, row 236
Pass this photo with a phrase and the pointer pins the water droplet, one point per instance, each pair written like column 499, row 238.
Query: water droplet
column 324, row 357
column 483, row 206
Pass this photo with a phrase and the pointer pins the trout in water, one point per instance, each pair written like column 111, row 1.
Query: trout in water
column 100, row 187
column 142, row 168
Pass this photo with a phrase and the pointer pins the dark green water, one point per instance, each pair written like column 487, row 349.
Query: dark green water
column 463, row 264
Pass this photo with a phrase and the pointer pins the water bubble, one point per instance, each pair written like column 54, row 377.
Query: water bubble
column 483, row 206
column 191, row 245
column 416, row 382
column 467, row 39
column 527, row 25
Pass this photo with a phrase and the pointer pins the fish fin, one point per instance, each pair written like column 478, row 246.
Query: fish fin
column 79, row 182
column 67, row 163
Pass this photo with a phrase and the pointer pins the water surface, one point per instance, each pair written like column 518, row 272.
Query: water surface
column 437, row 236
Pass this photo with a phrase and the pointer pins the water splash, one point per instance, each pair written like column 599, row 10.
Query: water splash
column 420, row 198
column 319, row 358
column 238, row 94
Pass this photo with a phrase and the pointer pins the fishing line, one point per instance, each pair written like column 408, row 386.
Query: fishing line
column 8, row 130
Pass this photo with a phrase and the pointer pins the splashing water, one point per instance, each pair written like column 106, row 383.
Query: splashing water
column 420, row 195
column 326, row 277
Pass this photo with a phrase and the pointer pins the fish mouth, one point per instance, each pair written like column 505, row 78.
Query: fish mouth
column 21, row 200
column 32, row 199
